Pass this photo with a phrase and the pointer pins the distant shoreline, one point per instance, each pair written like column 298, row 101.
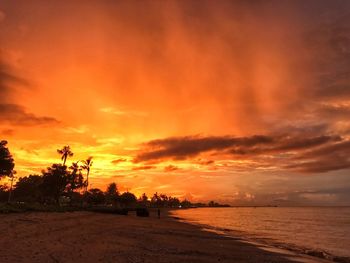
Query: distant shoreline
column 264, row 206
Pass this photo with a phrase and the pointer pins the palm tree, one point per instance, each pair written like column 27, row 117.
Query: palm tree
column 65, row 152
column 86, row 166
column 75, row 167
column 75, row 177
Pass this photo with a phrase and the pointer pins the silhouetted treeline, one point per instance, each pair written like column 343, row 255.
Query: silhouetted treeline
column 69, row 186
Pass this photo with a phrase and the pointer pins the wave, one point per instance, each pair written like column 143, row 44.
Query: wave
column 268, row 243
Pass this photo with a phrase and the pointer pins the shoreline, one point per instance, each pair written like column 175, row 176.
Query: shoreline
column 95, row 237
column 272, row 247
column 268, row 242
column 263, row 244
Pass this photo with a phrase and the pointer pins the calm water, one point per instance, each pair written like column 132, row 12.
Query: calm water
column 313, row 228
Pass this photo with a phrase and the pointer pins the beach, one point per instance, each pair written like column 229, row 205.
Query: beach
column 95, row 237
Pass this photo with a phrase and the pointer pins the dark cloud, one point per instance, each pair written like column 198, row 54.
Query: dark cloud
column 305, row 143
column 17, row 115
column 338, row 148
column 120, row 160
column 321, row 165
column 170, row 168
column 330, row 157
column 286, row 144
column 184, row 147
column 334, row 112
column 313, row 154
column 180, row 148
column 144, row 167
column 205, row 162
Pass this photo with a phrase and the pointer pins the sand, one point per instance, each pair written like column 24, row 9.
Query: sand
column 93, row 237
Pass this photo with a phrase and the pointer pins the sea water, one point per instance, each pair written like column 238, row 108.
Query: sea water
column 322, row 230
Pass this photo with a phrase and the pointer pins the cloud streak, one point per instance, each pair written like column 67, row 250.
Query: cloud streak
column 330, row 157
column 180, row 148
column 17, row 115
column 120, row 160
column 305, row 154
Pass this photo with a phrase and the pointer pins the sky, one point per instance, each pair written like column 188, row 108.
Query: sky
column 242, row 102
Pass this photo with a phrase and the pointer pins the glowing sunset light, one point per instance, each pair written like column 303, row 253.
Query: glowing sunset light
column 247, row 102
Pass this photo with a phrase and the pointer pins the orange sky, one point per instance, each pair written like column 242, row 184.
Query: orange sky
column 238, row 101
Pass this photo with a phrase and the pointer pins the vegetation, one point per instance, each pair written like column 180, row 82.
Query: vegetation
column 87, row 166
column 65, row 152
column 7, row 163
column 62, row 188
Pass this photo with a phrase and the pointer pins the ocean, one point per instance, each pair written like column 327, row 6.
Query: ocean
column 319, row 231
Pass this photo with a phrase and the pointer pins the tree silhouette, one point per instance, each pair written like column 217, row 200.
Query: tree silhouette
column 87, row 166
column 127, row 199
column 75, row 178
column 173, row 202
column 144, row 199
column 162, row 200
column 156, row 200
column 112, row 194
column 95, row 196
column 186, row 203
column 54, row 183
column 65, row 152
column 28, row 189
column 6, row 161
column 59, row 181
column 3, row 193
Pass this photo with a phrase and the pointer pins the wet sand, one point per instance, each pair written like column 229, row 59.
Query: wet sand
column 93, row 237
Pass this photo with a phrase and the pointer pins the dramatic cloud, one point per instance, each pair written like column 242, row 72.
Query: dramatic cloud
column 123, row 72
column 17, row 115
column 330, row 157
column 286, row 144
column 181, row 148
column 314, row 154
